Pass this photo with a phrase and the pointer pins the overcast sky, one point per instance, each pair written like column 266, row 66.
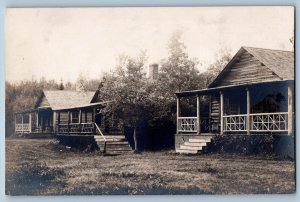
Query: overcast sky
column 63, row 42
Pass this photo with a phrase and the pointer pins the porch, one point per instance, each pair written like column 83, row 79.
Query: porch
column 261, row 108
column 35, row 121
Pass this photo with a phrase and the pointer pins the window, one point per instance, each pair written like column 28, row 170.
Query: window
column 74, row 117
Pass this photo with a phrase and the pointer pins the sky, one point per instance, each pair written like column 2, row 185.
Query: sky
column 61, row 43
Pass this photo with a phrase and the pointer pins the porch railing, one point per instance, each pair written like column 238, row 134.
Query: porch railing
column 259, row 122
column 25, row 127
column 265, row 122
column 187, row 124
column 235, row 122
column 76, row 128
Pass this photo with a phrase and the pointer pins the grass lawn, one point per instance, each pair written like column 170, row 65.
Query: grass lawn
column 44, row 167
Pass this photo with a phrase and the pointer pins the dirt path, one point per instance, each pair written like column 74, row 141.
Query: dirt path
column 52, row 169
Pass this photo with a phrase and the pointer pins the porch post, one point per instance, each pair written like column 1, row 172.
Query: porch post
column 54, row 122
column 79, row 120
column 58, row 121
column 37, row 120
column 68, row 122
column 178, row 113
column 198, row 116
column 290, row 109
column 22, row 124
column 94, row 120
column 221, row 112
column 29, row 122
column 248, row 112
column 15, row 122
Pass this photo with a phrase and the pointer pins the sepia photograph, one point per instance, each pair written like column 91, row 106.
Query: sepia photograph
column 150, row 100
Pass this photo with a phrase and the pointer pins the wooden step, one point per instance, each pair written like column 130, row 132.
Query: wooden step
column 185, row 151
column 198, row 140
column 195, row 144
column 186, row 147
column 117, row 143
column 205, row 136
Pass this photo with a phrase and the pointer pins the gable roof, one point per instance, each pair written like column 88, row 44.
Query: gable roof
column 278, row 61
column 61, row 99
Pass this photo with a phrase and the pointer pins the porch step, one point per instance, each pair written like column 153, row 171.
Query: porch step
column 186, row 151
column 199, row 140
column 187, row 147
column 194, row 145
column 115, row 144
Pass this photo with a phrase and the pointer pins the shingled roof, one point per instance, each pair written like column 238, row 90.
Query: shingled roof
column 62, row 99
column 280, row 62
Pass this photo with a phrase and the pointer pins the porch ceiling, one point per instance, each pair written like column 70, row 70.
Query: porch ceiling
column 208, row 91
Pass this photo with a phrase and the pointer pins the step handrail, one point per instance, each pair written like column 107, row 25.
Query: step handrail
column 104, row 149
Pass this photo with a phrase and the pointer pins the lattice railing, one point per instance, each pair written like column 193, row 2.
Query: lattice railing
column 87, row 127
column 235, row 122
column 76, row 128
column 22, row 127
column 187, row 124
column 269, row 122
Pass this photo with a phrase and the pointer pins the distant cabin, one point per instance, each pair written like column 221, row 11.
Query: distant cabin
column 75, row 118
column 253, row 94
column 54, row 108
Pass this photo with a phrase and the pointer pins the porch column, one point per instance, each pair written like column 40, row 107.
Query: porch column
column 79, row 120
column 248, row 112
column 221, row 112
column 198, row 116
column 15, row 122
column 94, row 120
column 37, row 120
column 54, row 122
column 29, row 127
column 68, row 122
column 22, row 123
column 58, row 122
column 177, row 114
column 290, row 109
column 80, row 116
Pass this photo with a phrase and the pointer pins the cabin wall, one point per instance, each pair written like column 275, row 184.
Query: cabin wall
column 64, row 117
column 246, row 69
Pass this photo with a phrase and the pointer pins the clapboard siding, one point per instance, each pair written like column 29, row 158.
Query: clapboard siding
column 245, row 69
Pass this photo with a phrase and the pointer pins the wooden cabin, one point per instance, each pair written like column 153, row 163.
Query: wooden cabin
column 71, row 115
column 252, row 95
column 50, row 112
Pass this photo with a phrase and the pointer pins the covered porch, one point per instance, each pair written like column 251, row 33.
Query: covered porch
column 257, row 108
column 34, row 121
column 83, row 120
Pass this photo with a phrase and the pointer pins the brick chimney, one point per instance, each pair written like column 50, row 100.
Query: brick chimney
column 153, row 71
